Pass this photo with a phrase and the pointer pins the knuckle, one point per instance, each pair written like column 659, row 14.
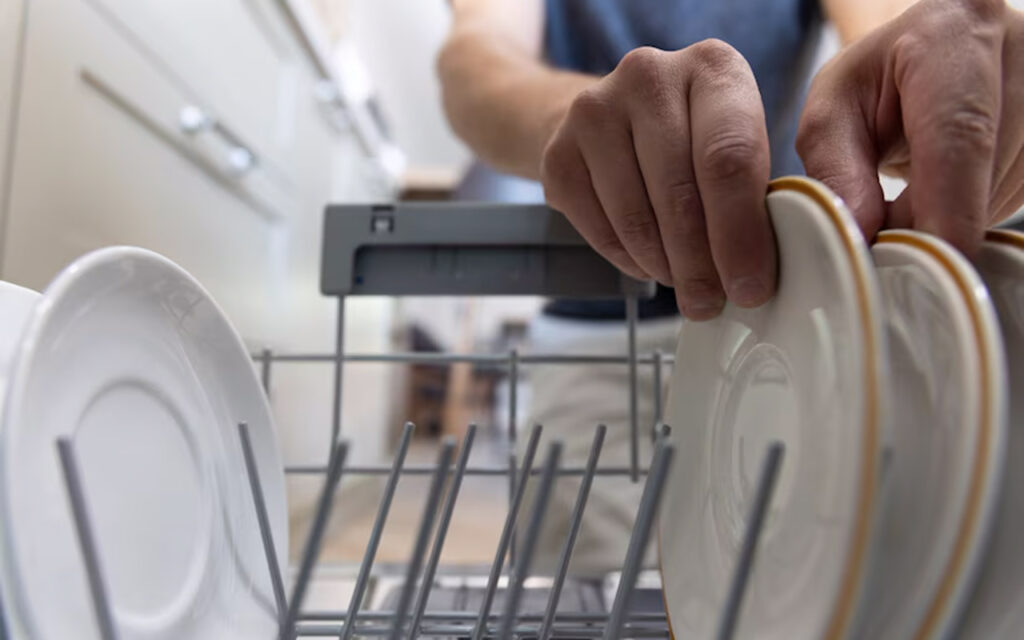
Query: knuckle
column 608, row 245
column 814, row 124
column 909, row 48
column 685, row 198
column 971, row 125
column 590, row 108
column 715, row 54
column 643, row 65
column 730, row 155
column 986, row 9
column 556, row 171
column 638, row 228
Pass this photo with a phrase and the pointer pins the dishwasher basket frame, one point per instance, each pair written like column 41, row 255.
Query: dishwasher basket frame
column 458, row 249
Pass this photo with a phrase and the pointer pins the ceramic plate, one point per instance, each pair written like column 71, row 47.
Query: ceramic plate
column 947, row 429
column 806, row 369
column 128, row 355
column 996, row 609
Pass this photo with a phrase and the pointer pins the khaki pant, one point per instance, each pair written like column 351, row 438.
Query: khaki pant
column 570, row 400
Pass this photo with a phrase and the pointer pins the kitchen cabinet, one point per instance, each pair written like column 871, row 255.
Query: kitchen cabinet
column 213, row 132
column 192, row 128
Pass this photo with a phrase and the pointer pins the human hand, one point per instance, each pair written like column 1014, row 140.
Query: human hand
column 663, row 167
column 935, row 96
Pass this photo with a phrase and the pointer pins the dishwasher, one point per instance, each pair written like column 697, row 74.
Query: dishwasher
column 466, row 249
column 472, row 250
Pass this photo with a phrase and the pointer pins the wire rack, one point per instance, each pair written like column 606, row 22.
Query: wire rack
column 382, row 251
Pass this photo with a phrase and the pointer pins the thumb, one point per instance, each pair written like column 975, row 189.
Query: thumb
column 835, row 144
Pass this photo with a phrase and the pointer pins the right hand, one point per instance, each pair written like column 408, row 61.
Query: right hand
column 663, row 166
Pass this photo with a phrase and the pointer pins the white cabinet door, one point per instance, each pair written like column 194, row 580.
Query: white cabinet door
column 239, row 54
column 99, row 160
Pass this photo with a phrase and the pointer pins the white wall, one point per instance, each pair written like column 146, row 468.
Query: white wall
column 398, row 41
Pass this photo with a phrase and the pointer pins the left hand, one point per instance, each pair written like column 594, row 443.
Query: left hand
column 935, row 96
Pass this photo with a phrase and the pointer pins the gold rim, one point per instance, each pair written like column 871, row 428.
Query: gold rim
column 853, row 571
column 1006, row 236
column 976, row 492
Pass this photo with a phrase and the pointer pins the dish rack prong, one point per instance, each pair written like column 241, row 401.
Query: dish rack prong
column 449, row 249
column 510, row 624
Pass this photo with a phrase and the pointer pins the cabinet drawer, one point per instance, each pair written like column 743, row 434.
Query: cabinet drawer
column 238, row 55
column 101, row 159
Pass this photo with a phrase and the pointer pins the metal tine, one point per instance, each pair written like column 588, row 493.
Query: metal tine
column 658, row 356
column 513, row 436
column 266, row 534
column 86, row 539
column 632, row 317
column 442, row 531
column 522, row 569
column 339, row 372
column 638, row 541
column 506, row 532
column 378, row 527
column 313, row 540
column 266, row 359
column 741, row 574
column 412, row 572
column 574, row 529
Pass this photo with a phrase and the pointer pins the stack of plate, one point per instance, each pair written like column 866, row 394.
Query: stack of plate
column 129, row 357
column 883, row 373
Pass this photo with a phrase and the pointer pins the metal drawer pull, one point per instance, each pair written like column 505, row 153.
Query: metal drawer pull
column 194, row 120
column 240, row 158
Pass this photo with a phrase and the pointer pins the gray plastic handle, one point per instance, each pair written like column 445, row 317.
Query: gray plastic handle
column 448, row 248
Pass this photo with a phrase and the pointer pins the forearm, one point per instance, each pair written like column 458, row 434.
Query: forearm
column 502, row 102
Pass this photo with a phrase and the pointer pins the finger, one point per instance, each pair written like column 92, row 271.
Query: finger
column 661, row 138
column 1008, row 174
column 950, row 107
column 607, row 147
column 1006, row 194
column 1012, row 205
column 732, row 166
column 836, row 147
column 567, row 188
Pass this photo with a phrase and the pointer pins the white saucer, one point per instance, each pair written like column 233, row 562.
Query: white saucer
column 996, row 609
column 806, row 369
column 947, row 426
column 129, row 356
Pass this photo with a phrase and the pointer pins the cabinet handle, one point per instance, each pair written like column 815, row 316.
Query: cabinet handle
column 194, row 120
column 240, row 160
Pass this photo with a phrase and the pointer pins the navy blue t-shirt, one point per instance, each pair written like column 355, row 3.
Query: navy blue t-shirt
column 777, row 37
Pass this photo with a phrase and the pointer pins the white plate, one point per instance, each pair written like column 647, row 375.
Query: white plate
column 806, row 369
column 947, row 430
column 996, row 609
column 128, row 355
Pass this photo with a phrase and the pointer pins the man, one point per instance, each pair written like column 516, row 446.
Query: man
column 660, row 156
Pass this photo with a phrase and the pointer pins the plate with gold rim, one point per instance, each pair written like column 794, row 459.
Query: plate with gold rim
column 947, row 426
column 996, row 607
column 806, row 369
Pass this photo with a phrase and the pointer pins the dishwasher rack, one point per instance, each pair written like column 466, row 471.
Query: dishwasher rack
column 460, row 249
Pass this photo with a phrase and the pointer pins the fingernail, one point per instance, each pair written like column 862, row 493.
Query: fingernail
column 748, row 291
